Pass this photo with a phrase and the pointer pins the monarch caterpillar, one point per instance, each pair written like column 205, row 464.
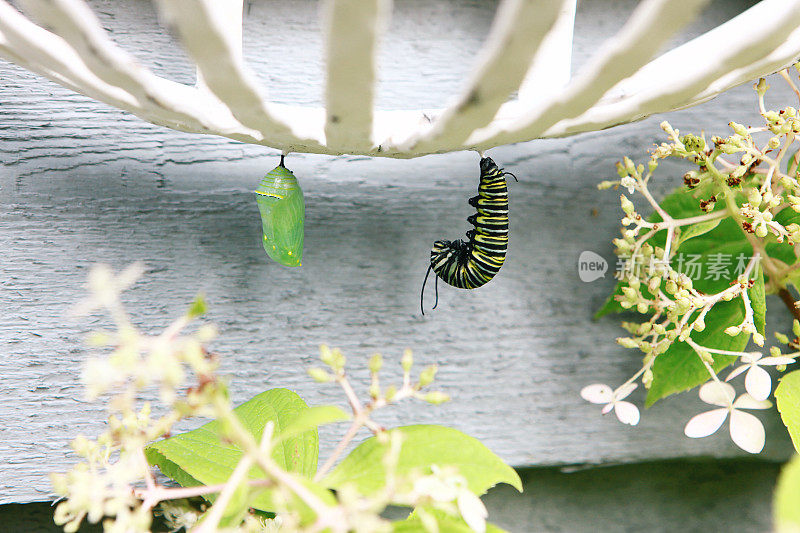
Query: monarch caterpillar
column 471, row 263
column 280, row 201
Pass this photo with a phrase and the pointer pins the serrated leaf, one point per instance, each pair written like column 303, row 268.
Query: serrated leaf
column 423, row 446
column 199, row 457
column 311, row 418
column 446, row 523
column 680, row 368
column 787, row 397
column 786, row 502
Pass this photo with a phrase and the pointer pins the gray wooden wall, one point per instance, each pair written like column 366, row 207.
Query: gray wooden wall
column 82, row 183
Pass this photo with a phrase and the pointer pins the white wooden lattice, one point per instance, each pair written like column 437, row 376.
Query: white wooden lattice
column 528, row 52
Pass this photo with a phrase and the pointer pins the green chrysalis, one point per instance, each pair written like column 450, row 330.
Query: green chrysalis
column 280, row 201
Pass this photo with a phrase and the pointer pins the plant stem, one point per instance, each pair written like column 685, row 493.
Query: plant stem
column 348, row 437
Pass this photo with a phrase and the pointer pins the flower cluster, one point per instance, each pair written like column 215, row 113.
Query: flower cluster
column 741, row 192
column 115, row 484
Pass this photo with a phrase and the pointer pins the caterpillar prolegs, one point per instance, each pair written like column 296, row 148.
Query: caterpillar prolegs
column 472, row 263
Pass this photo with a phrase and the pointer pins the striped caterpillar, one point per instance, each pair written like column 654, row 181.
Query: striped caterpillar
column 472, row 263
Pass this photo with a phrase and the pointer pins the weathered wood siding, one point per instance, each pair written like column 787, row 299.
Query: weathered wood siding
column 81, row 183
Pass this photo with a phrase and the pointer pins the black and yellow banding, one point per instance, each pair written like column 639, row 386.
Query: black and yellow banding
column 471, row 263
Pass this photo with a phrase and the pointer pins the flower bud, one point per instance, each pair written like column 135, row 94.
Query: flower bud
column 627, row 342
column 325, row 354
column 621, row 172
column 758, row 338
column 407, row 361
column 693, row 143
column 733, row 331
column 738, row 129
column 774, row 142
column 647, row 378
column 319, row 375
column 427, row 375
column 627, row 205
column 375, row 363
column 706, row 356
column 436, row 397
column 654, row 284
column 630, row 167
column 671, row 287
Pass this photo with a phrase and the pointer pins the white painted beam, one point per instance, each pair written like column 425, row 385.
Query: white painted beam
column 650, row 26
column 74, row 21
column 551, row 68
column 353, row 29
column 518, row 29
column 528, row 50
column 201, row 26
column 766, row 40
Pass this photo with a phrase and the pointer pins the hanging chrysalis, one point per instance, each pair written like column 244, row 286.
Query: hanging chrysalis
column 283, row 212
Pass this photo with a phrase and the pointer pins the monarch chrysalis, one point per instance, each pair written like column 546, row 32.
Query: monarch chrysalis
column 280, row 201
column 471, row 263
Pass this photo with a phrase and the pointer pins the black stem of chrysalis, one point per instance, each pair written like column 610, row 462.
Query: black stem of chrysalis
column 281, row 164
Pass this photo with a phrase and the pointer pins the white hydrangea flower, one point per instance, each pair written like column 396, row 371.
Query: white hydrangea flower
column 446, row 486
column 629, row 183
column 757, row 381
column 626, row 412
column 747, row 432
column 472, row 510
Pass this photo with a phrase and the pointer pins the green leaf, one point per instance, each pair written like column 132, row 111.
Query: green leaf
column 199, row 457
column 312, row 418
column 787, row 396
column 786, row 502
column 680, row 368
column 446, row 523
column 423, row 446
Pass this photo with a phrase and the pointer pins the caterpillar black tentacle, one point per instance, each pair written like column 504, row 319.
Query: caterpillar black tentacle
column 472, row 263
